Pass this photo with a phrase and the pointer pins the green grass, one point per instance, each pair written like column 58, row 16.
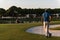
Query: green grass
column 56, row 28
column 17, row 32
column 55, row 22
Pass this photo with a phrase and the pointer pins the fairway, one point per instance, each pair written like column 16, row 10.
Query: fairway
column 17, row 32
column 14, row 31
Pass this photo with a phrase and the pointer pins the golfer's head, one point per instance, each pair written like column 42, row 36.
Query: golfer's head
column 45, row 9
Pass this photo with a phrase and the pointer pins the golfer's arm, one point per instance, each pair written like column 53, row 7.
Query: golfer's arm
column 50, row 18
column 42, row 20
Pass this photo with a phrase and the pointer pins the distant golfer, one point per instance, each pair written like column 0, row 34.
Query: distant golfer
column 46, row 17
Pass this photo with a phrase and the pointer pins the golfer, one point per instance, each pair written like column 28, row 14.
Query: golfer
column 46, row 17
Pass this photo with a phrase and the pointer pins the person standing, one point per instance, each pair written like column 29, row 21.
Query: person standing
column 46, row 17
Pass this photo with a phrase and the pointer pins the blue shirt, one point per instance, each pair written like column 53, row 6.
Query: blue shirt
column 46, row 16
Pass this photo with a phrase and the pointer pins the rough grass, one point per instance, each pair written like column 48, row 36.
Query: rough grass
column 56, row 28
column 17, row 32
column 55, row 22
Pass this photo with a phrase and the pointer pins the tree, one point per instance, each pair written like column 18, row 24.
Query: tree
column 2, row 12
column 12, row 11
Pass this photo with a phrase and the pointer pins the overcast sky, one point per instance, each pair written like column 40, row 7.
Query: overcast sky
column 30, row 3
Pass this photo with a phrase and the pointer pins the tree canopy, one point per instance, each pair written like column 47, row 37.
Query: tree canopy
column 18, row 11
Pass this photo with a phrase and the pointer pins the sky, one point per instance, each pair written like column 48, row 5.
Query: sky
column 30, row 3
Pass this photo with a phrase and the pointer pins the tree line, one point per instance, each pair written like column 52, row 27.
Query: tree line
column 14, row 11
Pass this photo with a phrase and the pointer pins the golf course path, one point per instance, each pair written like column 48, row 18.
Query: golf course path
column 39, row 30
